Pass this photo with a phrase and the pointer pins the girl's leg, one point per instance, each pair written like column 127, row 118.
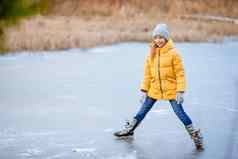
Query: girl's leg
column 181, row 114
column 145, row 108
column 132, row 125
column 194, row 133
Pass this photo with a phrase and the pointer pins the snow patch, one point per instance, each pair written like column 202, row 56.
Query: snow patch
column 60, row 155
column 85, row 152
column 161, row 111
column 90, row 150
column 31, row 152
column 230, row 109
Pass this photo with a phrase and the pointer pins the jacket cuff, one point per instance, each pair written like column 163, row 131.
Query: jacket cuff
column 180, row 87
column 142, row 90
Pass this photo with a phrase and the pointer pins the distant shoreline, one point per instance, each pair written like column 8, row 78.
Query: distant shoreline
column 62, row 32
column 225, row 40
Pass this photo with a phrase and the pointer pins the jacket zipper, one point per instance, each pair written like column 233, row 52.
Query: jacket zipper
column 159, row 75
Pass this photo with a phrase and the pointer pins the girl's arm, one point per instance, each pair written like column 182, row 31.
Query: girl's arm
column 145, row 85
column 179, row 72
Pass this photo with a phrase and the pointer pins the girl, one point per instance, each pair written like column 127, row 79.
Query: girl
column 163, row 80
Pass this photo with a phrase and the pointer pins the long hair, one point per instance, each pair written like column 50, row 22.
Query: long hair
column 153, row 47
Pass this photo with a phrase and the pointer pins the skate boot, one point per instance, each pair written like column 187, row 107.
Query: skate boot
column 128, row 129
column 196, row 137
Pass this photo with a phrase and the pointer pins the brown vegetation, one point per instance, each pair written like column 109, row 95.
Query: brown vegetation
column 133, row 7
column 87, row 23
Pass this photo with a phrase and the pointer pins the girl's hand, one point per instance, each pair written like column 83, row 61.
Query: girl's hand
column 179, row 97
column 143, row 96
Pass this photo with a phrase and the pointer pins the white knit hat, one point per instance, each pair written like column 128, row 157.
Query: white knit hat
column 162, row 30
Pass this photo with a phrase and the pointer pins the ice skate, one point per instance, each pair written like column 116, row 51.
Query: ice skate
column 128, row 129
column 196, row 137
column 198, row 140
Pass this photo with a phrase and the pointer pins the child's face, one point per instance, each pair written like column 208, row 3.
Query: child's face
column 159, row 41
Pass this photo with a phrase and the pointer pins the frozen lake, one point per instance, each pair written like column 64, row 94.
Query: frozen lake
column 66, row 104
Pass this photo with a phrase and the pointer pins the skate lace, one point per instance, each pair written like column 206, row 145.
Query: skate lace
column 197, row 137
column 127, row 124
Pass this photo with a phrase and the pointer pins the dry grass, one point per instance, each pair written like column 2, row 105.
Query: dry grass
column 134, row 7
column 71, row 23
column 58, row 32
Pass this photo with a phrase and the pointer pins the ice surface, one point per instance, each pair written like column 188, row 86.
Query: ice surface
column 67, row 104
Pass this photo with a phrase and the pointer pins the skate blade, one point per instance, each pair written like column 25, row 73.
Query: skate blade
column 200, row 148
column 130, row 137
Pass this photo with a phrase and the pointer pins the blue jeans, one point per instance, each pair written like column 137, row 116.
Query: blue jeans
column 178, row 109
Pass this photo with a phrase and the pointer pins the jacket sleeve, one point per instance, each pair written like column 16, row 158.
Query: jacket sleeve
column 179, row 72
column 145, row 85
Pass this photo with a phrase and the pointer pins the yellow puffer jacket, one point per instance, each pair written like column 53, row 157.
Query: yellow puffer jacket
column 163, row 73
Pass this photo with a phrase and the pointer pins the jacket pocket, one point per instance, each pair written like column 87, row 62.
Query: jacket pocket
column 152, row 80
column 170, row 79
column 170, row 83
